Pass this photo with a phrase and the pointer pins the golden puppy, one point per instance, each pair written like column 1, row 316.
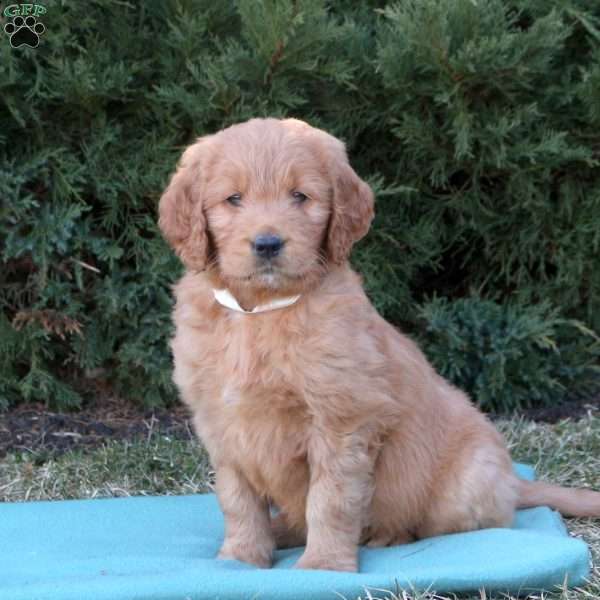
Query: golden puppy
column 305, row 398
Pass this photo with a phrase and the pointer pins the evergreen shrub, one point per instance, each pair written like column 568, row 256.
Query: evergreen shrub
column 508, row 357
column 475, row 121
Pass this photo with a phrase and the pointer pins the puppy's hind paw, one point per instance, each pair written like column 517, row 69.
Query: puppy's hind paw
column 382, row 539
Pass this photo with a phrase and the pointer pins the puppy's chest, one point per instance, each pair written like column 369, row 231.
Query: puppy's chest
column 266, row 418
column 249, row 382
column 257, row 354
column 266, row 433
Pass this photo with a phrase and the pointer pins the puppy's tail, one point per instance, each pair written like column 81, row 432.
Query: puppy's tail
column 570, row 502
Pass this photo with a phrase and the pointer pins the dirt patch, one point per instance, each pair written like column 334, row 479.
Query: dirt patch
column 573, row 409
column 32, row 428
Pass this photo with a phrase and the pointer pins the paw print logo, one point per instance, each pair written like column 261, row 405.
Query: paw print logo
column 24, row 31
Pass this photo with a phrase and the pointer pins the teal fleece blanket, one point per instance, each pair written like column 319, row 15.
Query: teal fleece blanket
column 164, row 548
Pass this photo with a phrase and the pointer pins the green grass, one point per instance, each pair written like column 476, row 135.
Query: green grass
column 567, row 453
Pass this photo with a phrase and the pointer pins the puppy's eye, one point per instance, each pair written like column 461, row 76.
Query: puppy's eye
column 299, row 197
column 234, row 199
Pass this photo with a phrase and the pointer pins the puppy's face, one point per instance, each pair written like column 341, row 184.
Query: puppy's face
column 266, row 204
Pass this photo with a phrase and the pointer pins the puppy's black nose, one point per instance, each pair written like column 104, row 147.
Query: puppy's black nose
column 267, row 246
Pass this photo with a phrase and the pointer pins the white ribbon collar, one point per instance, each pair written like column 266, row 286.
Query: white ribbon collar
column 225, row 298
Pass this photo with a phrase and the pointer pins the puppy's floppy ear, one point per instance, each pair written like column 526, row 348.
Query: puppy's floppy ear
column 352, row 207
column 181, row 217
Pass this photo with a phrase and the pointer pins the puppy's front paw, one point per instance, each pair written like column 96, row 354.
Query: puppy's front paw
column 261, row 556
column 328, row 562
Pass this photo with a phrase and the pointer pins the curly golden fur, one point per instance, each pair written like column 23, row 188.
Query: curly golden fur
column 321, row 409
